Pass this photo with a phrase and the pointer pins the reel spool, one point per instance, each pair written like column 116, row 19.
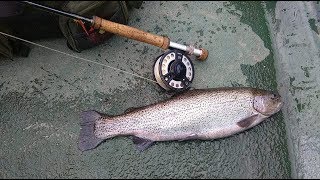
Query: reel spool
column 174, row 70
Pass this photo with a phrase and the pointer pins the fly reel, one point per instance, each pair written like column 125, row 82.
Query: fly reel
column 174, row 70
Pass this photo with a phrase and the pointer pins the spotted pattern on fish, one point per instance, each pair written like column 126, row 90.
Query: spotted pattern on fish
column 205, row 114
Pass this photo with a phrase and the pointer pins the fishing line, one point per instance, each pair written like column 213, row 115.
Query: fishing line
column 84, row 59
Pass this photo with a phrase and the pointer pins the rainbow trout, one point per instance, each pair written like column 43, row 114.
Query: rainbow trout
column 196, row 114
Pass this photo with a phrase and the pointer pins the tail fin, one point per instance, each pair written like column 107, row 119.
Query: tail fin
column 87, row 138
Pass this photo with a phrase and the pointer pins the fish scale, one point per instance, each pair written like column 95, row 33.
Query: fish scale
column 196, row 114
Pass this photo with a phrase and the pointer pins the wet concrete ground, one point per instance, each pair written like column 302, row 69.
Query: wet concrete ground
column 295, row 32
column 43, row 95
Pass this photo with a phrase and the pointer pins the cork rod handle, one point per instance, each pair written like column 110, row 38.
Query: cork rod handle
column 130, row 32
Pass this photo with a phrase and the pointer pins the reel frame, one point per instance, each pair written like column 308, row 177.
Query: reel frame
column 174, row 70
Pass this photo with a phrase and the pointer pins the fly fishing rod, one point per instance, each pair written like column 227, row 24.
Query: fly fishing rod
column 173, row 70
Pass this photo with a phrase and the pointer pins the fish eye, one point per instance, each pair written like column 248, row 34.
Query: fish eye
column 274, row 96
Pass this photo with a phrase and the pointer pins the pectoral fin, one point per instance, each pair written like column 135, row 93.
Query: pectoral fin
column 141, row 143
column 244, row 123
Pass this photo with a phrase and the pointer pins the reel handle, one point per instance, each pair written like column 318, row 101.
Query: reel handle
column 139, row 35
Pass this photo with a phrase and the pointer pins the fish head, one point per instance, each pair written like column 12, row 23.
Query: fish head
column 267, row 103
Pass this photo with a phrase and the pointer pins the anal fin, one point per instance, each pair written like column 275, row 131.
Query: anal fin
column 141, row 143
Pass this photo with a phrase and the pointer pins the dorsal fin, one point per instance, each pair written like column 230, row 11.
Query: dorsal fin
column 130, row 109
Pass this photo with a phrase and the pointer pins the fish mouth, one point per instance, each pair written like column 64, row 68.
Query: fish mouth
column 280, row 102
column 279, row 106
